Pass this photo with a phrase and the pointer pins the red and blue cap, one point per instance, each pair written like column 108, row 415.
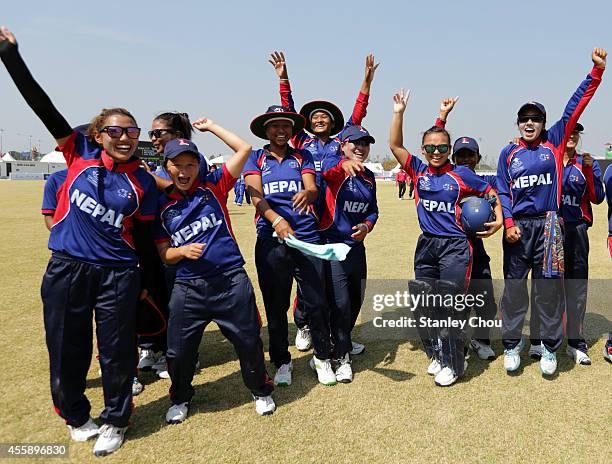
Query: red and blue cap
column 466, row 143
column 352, row 133
column 175, row 147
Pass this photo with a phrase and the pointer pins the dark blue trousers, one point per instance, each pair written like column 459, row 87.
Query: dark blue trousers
column 546, row 293
column 346, row 284
column 277, row 266
column 481, row 283
column 229, row 300
column 72, row 292
column 444, row 264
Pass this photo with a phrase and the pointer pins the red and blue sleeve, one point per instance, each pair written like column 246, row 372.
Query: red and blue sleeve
column 49, row 203
column 307, row 166
column 253, row 163
column 360, row 110
column 559, row 132
column 332, row 171
column 504, row 189
column 472, row 183
column 148, row 205
column 222, row 180
column 287, row 101
column 608, row 184
column 594, row 184
column 413, row 166
column 371, row 218
column 159, row 233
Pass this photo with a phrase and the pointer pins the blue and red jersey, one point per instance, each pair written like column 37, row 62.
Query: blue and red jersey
column 200, row 216
column 438, row 194
column 608, row 184
column 581, row 186
column 490, row 179
column 318, row 149
column 52, row 185
column 280, row 182
column 530, row 175
column 97, row 204
column 348, row 201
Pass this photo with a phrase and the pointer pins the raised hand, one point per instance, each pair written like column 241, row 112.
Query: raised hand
column 370, row 69
column 6, row 35
column 203, row 124
column 447, row 105
column 599, row 57
column 400, row 100
column 277, row 60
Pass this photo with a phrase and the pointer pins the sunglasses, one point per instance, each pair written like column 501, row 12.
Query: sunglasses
column 360, row 143
column 524, row 119
column 116, row 132
column 157, row 133
column 430, row 149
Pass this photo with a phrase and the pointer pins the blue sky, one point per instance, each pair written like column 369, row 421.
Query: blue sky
column 210, row 59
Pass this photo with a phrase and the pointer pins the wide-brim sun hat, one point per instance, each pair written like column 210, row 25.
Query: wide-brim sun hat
column 327, row 107
column 276, row 113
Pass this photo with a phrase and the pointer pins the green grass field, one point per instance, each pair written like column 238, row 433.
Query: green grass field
column 392, row 411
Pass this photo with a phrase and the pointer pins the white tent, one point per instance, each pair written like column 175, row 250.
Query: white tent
column 217, row 160
column 53, row 157
column 376, row 168
column 8, row 157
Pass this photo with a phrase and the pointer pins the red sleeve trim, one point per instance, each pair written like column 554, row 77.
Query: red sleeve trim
column 508, row 222
column 597, row 73
column 370, row 225
column 440, row 123
column 248, row 173
column 146, row 218
column 159, row 241
column 308, row 171
column 47, row 212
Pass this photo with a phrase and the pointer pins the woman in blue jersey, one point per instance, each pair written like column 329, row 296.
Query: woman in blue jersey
column 281, row 182
column 211, row 284
column 320, row 137
column 529, row 178
column 350, row 211
column 443, row 256
column 93, row 270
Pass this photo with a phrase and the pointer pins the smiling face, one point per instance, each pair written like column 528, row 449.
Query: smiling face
column 120, row 149
column 321, row 123
column 184, row 170
column 357, row 150
column 573, row 140
column 165, row 135
column 279, row 132
column 530, row 125
column 436, row 159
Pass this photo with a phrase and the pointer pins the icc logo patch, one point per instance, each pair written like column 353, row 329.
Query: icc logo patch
column 544, row 157
column 205, row 198
column 123, row 193
column 424, row 183
column 172, row 214
column 92, row 177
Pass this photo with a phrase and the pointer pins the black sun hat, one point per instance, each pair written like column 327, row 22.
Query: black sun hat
column 276, row 113
column 327, row 107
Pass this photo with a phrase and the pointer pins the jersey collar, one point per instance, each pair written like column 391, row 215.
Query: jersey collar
column 441, row 170
column 176, row 194
column 112, row 165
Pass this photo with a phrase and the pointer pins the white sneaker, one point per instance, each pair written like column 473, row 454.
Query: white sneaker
column 264, row 405
column 483, row 350
column 434, row 367
column 137, row 387
column 344, row 371
column 358, row 348
column 607, row 352
column 147, row 360
column 177, row 413
column 512, row 358
column 579, row 357
column 535, row 352
column 548, row 362
column 161, row 367
column 325, row 373
column 446, row 377
column 110, row 440
column 303, row 339
column 86, row 431
column 282, row 378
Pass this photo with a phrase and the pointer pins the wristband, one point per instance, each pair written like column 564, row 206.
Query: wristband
column 277, row 221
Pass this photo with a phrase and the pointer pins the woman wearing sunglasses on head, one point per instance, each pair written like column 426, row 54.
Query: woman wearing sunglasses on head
column 443, row 256
column 529, row 178
column 211, row 283
column 93, row 269
column 281, row 182
column 324, row 123
column 349, row 214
